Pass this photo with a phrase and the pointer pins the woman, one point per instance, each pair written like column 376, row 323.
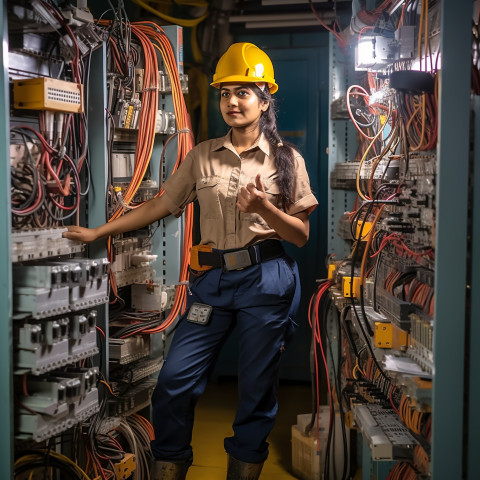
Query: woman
column 253, row 192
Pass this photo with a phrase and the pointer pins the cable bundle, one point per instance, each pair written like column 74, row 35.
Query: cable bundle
column 43, row 461
column 420, row 115
column 45, row 183
column 46, row 188
column 138, row 432
column 185, row 144
column 319, row 307
column 152, row 37
column 402, row 471
column 136, row 323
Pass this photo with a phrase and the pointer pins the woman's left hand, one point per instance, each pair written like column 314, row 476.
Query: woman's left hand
column 252, row 198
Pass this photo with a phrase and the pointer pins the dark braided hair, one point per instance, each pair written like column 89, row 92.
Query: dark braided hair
column 282, row 150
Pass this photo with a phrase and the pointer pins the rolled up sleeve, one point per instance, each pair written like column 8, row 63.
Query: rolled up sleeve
column 304, row 199
column 179, row 188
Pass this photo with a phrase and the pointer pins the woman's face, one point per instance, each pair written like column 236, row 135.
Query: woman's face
column 240, row 106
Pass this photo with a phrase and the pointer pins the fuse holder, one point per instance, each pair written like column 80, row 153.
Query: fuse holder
column 332, row 267
column 387, row 335
column 347, row 288
column 367, row 226
column 125, row 467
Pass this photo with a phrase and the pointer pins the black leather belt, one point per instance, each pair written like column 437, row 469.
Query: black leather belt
column 239, row 258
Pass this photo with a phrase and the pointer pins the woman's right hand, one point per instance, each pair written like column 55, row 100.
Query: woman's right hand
column 81, row 234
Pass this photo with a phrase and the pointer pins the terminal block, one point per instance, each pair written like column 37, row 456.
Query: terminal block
column 40, row 302
column 41, row 276
column 133, row 261
column 53, row 288
column 135, row 372
column 83, row 335
column 143, row 273
column 421, row 348
column 164, row 83
column 127, row 350
column 36, row 244
column 133, row 400
column 92, row 286
column 384, row 432
column 152, row 297
column 42, row 346
column 55, row 402
column 127, row 114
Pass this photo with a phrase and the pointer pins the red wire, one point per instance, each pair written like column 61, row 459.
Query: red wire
column 322, row 289
column 101, row 331
column 24, row 385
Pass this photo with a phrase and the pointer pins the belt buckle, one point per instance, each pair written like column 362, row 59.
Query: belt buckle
column 236, row 260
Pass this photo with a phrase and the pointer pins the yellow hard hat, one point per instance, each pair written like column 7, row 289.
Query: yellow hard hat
column 245, row 63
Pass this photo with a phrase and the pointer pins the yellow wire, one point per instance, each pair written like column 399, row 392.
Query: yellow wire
column 422, row 136
column 376, row 162
column 177, row 21
column 108, row 386
column 368, row 149
column 420, row 28
column 426, row 42
column 197, row 53
column 31, row 457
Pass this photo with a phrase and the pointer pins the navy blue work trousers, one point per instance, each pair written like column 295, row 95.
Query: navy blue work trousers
column 261, row 302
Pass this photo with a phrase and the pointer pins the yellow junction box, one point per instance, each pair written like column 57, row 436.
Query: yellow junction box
column 331, row 270
column 46, row 93
column 387, row 335
column 347, row 288
column 125, row 468
column 367, row 226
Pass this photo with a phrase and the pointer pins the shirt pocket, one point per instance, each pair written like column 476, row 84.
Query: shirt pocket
column 273, row 194
column 208, row 197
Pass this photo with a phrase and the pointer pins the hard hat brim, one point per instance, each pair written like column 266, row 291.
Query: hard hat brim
column 241, row 79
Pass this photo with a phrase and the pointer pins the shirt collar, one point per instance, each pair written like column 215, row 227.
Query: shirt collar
column 226, row 142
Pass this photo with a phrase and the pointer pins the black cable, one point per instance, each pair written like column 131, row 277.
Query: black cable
column 375, row 279
column 47, row 457
column 352, row 298
column 337, row 376
column 348, row 332
column 137, row 328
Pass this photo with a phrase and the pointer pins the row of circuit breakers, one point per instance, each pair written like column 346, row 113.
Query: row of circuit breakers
column 70, row 358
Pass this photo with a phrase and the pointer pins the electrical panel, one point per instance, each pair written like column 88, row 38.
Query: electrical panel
column 374, row 315
column 89, row 329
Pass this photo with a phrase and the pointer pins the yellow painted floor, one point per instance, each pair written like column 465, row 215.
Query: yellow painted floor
column 214, row 416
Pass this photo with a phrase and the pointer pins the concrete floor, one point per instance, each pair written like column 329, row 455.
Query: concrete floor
column 214, row 415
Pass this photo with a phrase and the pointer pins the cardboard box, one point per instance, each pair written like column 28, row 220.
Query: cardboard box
column 307, row 463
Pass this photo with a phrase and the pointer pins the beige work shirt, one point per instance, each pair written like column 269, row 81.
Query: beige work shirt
column 214, row 172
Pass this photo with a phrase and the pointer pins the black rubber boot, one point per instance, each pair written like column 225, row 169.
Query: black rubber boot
column 238, row 470
column 168, row 470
